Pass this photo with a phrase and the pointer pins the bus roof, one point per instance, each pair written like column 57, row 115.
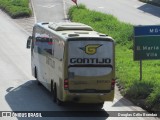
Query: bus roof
column 62, row 26
column 71, row 29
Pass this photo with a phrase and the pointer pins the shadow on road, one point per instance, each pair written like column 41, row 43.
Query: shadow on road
column 122, row 102
column 31, row 97
column 150, row 9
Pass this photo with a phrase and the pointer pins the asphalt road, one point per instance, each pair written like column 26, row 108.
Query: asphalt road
column 49, row 10
column 19, row 90
column 130, row 11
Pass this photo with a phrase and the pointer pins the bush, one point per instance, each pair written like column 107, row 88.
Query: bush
column 140, row 89
column 154, row 97
column 16, row 8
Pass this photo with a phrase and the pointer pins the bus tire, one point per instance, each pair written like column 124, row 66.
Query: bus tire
column 36, row 76
column 53, row 94
column 59, row 102
column 55, row 98
column 35, row 72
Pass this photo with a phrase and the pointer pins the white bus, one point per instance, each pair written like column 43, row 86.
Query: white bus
column 74, row 62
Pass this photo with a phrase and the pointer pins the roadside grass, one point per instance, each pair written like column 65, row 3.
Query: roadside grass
column 16, row 8
column 127, row 70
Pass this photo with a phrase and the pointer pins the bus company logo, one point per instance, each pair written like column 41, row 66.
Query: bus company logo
column 90, row 49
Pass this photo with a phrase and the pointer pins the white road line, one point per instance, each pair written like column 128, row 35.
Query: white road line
column 33, row 9
column 101, row 7
column 64, row 10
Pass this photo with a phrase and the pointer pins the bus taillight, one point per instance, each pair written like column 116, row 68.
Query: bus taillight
column 66, row 85
column 113, row 84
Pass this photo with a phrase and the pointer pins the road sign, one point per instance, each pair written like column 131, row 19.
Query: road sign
column 146, row 42
column 75, row 1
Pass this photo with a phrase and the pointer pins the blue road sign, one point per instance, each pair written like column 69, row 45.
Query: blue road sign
column 146, row 30
column 146, row 42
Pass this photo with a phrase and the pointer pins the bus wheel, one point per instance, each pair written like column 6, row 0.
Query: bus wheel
column 59, row 102
column 54, row 96
column 36, row 76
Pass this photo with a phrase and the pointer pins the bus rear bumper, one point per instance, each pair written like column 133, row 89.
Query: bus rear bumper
column 88, row 97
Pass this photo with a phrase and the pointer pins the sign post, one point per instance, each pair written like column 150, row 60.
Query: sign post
column 140, row 70
column 146, row 44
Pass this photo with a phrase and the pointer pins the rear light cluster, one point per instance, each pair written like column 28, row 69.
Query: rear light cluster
column 113, row 84
column 66, row 84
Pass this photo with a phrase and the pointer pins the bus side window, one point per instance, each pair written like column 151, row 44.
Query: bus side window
column 36, row 38
column 43, row 41
column 47, row 43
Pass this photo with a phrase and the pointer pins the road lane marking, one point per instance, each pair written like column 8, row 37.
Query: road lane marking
column 64, row 11
column 101, row 7
column 33, row 9
column 48, row 6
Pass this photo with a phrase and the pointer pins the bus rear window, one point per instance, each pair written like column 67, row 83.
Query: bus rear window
column 90, row 58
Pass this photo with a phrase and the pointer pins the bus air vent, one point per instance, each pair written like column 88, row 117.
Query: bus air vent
column 103, row 35
column 82, row 32
column 61, row 26
column 72, row 35
column 45, row 23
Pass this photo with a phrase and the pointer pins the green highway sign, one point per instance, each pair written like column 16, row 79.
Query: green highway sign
column 146, row 42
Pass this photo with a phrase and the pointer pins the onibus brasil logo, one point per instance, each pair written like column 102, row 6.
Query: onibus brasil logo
column 90, row 49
